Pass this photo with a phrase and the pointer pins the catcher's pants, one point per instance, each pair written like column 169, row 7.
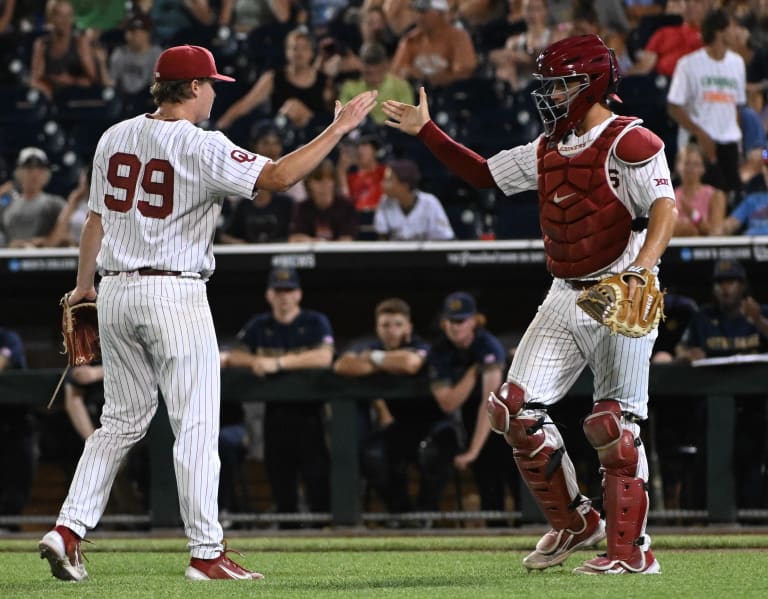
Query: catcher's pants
column 562, row 339
column 155, row 332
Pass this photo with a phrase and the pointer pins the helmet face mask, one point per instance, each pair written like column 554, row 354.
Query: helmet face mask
column 575, row 74
column 554, row 97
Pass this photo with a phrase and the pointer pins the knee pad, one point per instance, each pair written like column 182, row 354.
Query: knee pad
column 616, row 446
column 504, row 404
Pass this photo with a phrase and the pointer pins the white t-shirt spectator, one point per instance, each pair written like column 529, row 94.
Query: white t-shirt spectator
column 710, row 90
column 425, row 221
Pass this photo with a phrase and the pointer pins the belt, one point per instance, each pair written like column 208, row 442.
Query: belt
column 579, row 284
column 144, row 272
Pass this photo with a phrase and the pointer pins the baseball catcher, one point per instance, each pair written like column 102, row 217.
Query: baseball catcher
column 606, row 205
column 609, row 302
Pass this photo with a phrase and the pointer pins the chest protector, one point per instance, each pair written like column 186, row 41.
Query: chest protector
column 584, row 224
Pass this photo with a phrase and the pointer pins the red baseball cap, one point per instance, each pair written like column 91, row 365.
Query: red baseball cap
column 184, row 63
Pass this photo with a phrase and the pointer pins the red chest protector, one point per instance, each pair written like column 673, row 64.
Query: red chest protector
column 585, row 225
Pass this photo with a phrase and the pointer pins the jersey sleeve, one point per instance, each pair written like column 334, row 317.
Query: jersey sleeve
column 97, row 191
column 641, row 185
column 228, row 169
column 488, row 350
column 678, row 87
column 515, row 170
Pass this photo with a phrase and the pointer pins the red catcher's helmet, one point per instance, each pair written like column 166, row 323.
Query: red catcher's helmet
column 575, row 73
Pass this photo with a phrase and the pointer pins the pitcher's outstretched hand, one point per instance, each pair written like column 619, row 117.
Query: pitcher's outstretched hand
column 406, row 117
column 351, row 114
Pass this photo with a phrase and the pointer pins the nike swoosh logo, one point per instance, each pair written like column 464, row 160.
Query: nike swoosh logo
column 234, row 574
column 557, row 199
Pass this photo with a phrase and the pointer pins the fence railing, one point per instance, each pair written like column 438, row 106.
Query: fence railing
column 718, row 386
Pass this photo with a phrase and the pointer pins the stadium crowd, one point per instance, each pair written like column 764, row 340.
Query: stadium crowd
column 71, row 68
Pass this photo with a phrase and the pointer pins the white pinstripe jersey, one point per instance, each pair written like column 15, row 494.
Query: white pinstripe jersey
column 638, row 185
column 158, row 186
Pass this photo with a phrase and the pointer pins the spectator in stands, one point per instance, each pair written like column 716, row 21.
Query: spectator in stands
column 700, row 207
column 18, row 459
column 706, row 89
column 289, row 338
column 325, row 215
column 69, row 224
column 465, row 365
column 750, row 217
column 63, row 57
column 516, row 61
column 172, row 16
column 28, row 217
column 406, row 213
column 299, row 91
column 405, row 432
column 374, row 29
column 132, row 65
column 435, row 51
column 246, row 15
column 735, row 324
column 668, row 44
column 399, row 14
column 360, row 176
column 266, row 217
column 375, row 74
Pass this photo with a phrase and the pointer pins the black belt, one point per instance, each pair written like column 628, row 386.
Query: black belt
column 144, row 272
column 579, row 284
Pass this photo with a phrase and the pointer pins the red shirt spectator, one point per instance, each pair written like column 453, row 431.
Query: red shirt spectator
column 670, row 44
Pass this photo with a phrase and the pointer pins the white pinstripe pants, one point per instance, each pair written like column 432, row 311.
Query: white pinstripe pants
column 156, row 331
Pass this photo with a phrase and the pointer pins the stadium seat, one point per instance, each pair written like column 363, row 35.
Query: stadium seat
column 96, row 104
column 20, row 104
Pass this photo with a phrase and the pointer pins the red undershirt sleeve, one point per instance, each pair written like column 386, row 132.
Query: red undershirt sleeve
column 461, row 161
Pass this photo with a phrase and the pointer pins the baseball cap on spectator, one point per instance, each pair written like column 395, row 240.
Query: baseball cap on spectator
column 283, row 278
column 729, row 269
column 459, row 306
column 406, row 171
column 425, row 5
column 32, row 156
column 137, row 20
column 184, row 63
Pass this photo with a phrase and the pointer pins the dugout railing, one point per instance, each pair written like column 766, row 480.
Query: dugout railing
column 717, row 386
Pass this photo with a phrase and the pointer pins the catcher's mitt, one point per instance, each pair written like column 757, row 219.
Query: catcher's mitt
column 80, row 329
column 608, row 302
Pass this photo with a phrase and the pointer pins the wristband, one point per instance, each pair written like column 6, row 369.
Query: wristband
column 377, row 356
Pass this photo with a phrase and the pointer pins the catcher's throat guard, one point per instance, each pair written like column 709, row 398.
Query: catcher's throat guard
column 609, row 303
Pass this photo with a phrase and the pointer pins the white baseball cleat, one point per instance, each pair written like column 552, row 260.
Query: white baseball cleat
column 61, row 547
column 556, row 545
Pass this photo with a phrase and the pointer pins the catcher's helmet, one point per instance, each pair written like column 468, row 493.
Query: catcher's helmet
column 590, row 68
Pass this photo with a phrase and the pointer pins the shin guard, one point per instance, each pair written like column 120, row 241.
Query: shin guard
column 625, row 498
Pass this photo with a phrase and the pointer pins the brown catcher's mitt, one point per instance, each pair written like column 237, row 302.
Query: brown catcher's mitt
column 80, row 329
column 608, row 302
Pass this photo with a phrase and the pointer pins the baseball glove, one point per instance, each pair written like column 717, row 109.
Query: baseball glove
column 80, row 329
column 608, row 302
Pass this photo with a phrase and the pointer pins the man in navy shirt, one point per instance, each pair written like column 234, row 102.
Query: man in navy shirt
column 406, row 431
column 290, row 338
column 735, row 324
column 465, row 365
column 17, row 427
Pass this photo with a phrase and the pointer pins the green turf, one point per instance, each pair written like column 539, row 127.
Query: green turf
column 414, row 567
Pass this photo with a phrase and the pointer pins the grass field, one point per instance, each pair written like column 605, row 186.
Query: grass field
column 475, row 567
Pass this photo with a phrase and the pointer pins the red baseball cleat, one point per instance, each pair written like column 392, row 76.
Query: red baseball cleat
column 219, row 568
column 61, row 547
column 556, row 545
column 647, row 564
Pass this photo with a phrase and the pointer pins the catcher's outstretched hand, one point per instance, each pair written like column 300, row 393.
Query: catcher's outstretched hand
column 351, row 114
column 407, row 117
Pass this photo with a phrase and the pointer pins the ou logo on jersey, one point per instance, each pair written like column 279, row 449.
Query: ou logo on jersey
column 242, row 156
